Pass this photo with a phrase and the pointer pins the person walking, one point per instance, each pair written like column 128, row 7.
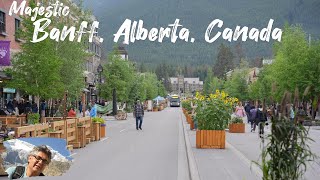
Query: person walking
column 138, row 113
column 38, row 159
column 247, row 109
column 253, row 118
column 240, row 112
column 262, row 118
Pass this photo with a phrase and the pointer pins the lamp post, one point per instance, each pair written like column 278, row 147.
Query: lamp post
column 99, row 70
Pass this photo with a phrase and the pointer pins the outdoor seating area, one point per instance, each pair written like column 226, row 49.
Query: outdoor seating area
column 77, row 132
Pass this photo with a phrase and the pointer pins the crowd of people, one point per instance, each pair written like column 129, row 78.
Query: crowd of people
column 256, row 115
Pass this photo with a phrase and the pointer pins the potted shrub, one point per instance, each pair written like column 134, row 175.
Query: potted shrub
column 236, row 125
column 102, row 125
column 213, row 115
column 33, row 118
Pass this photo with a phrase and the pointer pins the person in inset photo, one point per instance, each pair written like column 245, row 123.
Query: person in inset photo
column 38, row 159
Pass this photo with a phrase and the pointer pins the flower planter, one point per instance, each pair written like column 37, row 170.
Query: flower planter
column 210, row 139
column 155, row 109
column 189, row 118
column 103, row 130
column 237, row 128
column 191, row 125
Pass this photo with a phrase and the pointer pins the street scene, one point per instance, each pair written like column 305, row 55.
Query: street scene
column 153, row 90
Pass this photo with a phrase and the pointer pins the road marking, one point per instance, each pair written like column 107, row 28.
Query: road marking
column 104, row 139
column 73, row 154
column 122, row 130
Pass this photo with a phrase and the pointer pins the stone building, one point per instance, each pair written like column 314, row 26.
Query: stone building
column 181, row 84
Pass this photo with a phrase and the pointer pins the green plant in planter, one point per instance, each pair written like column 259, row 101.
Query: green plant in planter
column 33, row 118
column 287, row 152
column 214, row 111
column 98, row 120
column 186, row 104
column 235, row 120
column 79, row 124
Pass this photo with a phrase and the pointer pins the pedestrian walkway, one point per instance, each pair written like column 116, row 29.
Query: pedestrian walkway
column 235, row 162
column 228, row 164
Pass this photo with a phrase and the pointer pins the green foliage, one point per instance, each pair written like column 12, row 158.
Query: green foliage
column 98, row 120
column 211, row 83
column 235, row 120
column 186, row 104
column 120, row 74
column 48, row 68
column 33, row 118
column 224, row 62
column 213, row 112
column 287, row 152
column 237, row 85
column 196, row 15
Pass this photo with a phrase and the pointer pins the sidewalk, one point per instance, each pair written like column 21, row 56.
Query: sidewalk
column 227, row 164
column 235, row 162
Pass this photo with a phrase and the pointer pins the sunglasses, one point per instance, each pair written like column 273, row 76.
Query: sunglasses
column 38, row 158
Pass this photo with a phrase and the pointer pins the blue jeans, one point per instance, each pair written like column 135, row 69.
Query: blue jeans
column 137, row 121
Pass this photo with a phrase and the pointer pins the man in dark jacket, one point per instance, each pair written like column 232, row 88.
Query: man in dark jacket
column 138, row 113
column 262, row 118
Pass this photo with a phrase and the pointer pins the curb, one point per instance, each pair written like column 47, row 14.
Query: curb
column 193, row 168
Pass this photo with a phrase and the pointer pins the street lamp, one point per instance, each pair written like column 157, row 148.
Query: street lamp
column 99, row 70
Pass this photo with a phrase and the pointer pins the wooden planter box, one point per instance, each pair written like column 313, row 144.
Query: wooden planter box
column 96, row 131
column 237, row 128
column 189, row 118
column 102, row 130
column 155, row 109
column 191, row 124
column 184, row 111
column 213, row 139
column 81, row 136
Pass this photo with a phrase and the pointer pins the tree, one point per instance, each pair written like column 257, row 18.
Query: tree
column 120, row 75
column 36, row 68
column 211, row 83
column 224, row 62
column 237, row 85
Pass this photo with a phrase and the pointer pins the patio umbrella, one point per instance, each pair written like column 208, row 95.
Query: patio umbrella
column 17, row 151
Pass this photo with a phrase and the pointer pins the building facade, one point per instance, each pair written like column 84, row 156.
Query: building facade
column 9, row 45
column 181, row 84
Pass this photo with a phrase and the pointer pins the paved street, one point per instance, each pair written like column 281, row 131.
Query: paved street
column 151, row 154
column 159, row 152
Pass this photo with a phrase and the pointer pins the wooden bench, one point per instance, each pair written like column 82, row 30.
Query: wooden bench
column 25, row 131
column 58, row 128
column 13, row 121
column 42, row 130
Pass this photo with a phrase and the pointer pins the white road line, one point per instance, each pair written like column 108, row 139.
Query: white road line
column 122, row 130
column 73, row 154
column 104, row 139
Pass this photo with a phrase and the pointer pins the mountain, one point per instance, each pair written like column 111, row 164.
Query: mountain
column 196, row 16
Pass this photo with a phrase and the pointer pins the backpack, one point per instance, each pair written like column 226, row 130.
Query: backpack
column 261, row 116
column 19, row 171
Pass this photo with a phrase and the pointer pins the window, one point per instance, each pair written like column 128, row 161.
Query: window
column 17, row 24
column 2, row 22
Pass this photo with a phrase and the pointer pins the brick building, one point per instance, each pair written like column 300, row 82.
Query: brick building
column 8, row 26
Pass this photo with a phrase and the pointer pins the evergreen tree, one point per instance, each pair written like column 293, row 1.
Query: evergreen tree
column 224, row 61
